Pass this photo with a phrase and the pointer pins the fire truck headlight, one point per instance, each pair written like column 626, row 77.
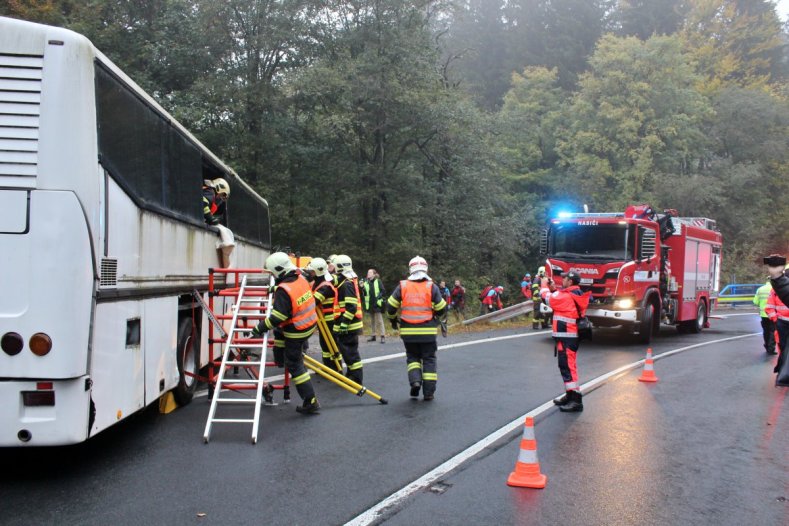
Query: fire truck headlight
column 12, row 343
column 624, row 304
column 40, row 344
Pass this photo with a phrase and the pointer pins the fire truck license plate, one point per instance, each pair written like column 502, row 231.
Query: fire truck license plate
column 586, row 281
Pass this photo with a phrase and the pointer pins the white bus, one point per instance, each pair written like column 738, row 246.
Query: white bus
column 102, row 241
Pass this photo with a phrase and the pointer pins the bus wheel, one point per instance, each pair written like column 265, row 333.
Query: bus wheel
column 646, row 329
column 696, row 325
column 187, row 359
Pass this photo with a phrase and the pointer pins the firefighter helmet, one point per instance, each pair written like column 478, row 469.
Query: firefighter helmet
column 343, row 264
column 279, row 264
column 417, row 264
column 318, row 266
column 221, row 187
column 541, row 271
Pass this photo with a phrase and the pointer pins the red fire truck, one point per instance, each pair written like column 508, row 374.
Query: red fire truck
column 643, row 268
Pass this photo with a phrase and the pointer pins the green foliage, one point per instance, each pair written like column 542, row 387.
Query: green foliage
column 389, row 128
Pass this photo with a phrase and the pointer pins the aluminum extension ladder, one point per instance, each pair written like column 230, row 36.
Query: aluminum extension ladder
column 231, row 355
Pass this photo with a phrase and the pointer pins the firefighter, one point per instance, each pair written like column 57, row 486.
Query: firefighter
column 537, row 316
column 293, row 313
column 568, row 304
column 768, row 326
column 216, row 192
column 317, row 272
column 420, row 304
column 348, row 317
column 778, row 312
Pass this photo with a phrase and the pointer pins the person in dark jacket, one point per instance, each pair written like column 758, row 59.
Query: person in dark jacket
column 779, row 279
column 373, row 301
column 293, row 315
column 419, row 304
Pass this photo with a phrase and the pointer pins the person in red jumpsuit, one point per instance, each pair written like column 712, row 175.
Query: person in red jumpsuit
column 568, row 304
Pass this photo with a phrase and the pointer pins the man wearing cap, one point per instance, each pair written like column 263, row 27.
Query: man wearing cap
column 568, row 304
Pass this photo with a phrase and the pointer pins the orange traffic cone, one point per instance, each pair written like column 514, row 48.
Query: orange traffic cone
column 648, row 374
column 527, row 468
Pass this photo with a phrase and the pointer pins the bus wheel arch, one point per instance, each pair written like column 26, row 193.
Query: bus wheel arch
column 187, row 358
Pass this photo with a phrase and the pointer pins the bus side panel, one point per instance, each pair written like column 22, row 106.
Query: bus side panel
column 160, row 342
column 47, row 284
column 118, row 364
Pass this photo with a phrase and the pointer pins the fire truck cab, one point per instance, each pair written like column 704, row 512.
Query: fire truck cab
column 642, row 268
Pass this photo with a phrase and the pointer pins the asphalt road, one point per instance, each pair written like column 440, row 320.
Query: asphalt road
column 705, row 445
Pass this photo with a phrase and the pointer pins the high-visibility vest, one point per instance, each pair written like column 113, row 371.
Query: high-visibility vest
column 339, row 308
column 775, row 309
column 371, row 294
column 760, row 299
column 302, row 304
column 328, row 294
column 416, row 305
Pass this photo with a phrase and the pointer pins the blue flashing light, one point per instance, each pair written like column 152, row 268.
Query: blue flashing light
column 564, row 215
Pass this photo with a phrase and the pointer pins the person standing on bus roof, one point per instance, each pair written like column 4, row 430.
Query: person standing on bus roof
column 215, row 195
column 293, row 313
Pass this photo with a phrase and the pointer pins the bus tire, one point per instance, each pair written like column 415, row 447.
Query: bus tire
column 186, row 355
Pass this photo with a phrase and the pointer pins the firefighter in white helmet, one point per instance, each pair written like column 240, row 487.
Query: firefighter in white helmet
column 324, row 291
column 216, row 192
column 420, row 304
column 293, row 313
column 348, row 316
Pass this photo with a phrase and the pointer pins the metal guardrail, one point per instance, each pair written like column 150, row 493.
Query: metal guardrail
column 504, row 314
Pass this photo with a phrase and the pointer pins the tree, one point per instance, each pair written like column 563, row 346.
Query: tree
column 636, row 116
column 735, row 43
column 645, row 18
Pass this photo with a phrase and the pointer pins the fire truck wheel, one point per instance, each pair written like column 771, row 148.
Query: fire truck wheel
column 187, row 357
column 646, row 328
column 696, row 325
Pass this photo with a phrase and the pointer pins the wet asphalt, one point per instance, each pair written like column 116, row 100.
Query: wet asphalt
column 705, row 445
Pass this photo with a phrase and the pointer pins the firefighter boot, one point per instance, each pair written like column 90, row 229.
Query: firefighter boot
column 562, row 400
column 575, row 404
column 382, row 339
column 371, row 339
column 415, row 387
column 309, row 407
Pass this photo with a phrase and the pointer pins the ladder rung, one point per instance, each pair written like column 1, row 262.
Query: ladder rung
column 237, row 381
column 246, row 345
column 236, row 400
column 241, row 362
column 232, row 420
column 250, row 300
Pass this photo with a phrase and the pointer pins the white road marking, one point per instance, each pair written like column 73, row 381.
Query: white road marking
column 379, row 510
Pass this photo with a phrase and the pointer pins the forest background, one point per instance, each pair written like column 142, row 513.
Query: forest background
column 454, row 129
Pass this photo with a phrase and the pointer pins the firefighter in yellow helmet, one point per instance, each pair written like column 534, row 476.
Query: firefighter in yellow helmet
column 348, row 316
column 293, row 313
column 324, row 291
column 420, row 306
column 216, row 192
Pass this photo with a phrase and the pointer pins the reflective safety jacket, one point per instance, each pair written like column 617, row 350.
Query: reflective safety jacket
column 293, row 311
column 775, row 309
column 325, row 293
column 568, row 305
column 348, row 306
column 420, row 304
column 373, row 295
column 213, row 207
column 760, row 299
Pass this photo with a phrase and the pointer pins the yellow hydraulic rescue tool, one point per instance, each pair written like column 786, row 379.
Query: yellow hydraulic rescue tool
column 336, row 377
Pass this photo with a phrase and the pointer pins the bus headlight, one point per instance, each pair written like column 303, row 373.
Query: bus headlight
column 626, row 303
column 40, row 344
